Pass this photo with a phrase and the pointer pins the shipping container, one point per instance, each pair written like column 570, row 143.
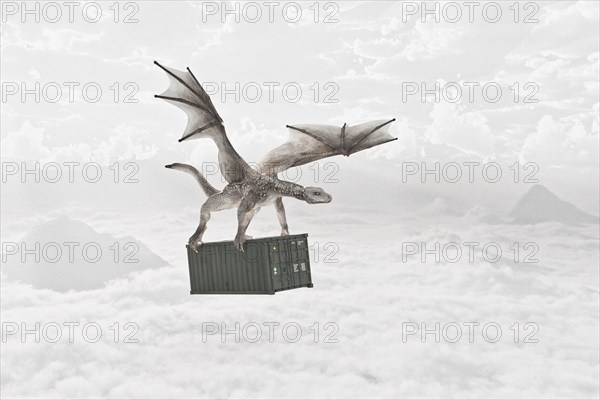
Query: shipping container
column 267, row 265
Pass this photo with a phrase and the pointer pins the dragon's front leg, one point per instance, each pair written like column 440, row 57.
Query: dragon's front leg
column 281, row 216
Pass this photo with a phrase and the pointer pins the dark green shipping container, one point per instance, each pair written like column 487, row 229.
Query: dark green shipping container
column 266, row 266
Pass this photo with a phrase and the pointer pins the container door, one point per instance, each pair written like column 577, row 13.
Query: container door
column 276, row 261
column 299, row 257
column 289, row 261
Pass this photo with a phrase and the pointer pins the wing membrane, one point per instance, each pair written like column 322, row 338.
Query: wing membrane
column 311, row 142
column 185, row 92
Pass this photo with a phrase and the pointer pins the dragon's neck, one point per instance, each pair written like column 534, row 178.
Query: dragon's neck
column 289, row 189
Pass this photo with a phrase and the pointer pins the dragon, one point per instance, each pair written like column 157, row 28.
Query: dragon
column 249, row 188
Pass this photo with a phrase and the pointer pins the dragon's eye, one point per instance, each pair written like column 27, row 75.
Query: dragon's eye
column 317, row 193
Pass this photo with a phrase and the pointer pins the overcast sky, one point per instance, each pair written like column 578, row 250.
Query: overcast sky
column 369, row 58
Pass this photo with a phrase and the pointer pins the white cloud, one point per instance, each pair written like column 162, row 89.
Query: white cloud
column 126, row 143
column 555, row 294
column 30, row 143
column 51, row 39
column 467, row 131
column 563, row 142
column 215, row 35
column 34, row 74
column 431, row 40
column 26, row 143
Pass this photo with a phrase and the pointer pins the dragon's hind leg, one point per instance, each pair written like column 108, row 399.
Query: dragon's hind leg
column 246, row 211
column 243, row 223
column 216, row 202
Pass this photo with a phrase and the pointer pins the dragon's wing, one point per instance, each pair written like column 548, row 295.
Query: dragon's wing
column 308, row 143
column 185, row 92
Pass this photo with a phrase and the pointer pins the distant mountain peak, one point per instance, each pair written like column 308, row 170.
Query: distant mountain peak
column 118, row 257
column 539, row 189
column 539, row 205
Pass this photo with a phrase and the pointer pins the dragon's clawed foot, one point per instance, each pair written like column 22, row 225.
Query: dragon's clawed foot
column 239, row 242
column 285, row 232
column 194, row 243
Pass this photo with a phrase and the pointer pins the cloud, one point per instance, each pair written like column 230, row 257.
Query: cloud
column 26, row 143
column 554, row 294
column 431, row 40
column 58, row 39
column 215, row 35
column 34, row 74
column 564, row 142
column 126, row 143
column 467, row 131
column 30, row 143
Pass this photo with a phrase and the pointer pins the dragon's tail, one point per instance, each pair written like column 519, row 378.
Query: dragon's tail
column 206, row 187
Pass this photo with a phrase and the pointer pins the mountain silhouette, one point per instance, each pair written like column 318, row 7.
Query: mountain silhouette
column 539, row 205
column 64, row 254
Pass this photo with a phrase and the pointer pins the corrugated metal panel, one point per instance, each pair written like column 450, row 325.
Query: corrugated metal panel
column 268, row 265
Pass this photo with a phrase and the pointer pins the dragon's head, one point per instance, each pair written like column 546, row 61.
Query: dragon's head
column 315, row 195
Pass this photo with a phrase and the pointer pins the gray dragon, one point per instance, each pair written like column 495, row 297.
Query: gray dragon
column 249, row 188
